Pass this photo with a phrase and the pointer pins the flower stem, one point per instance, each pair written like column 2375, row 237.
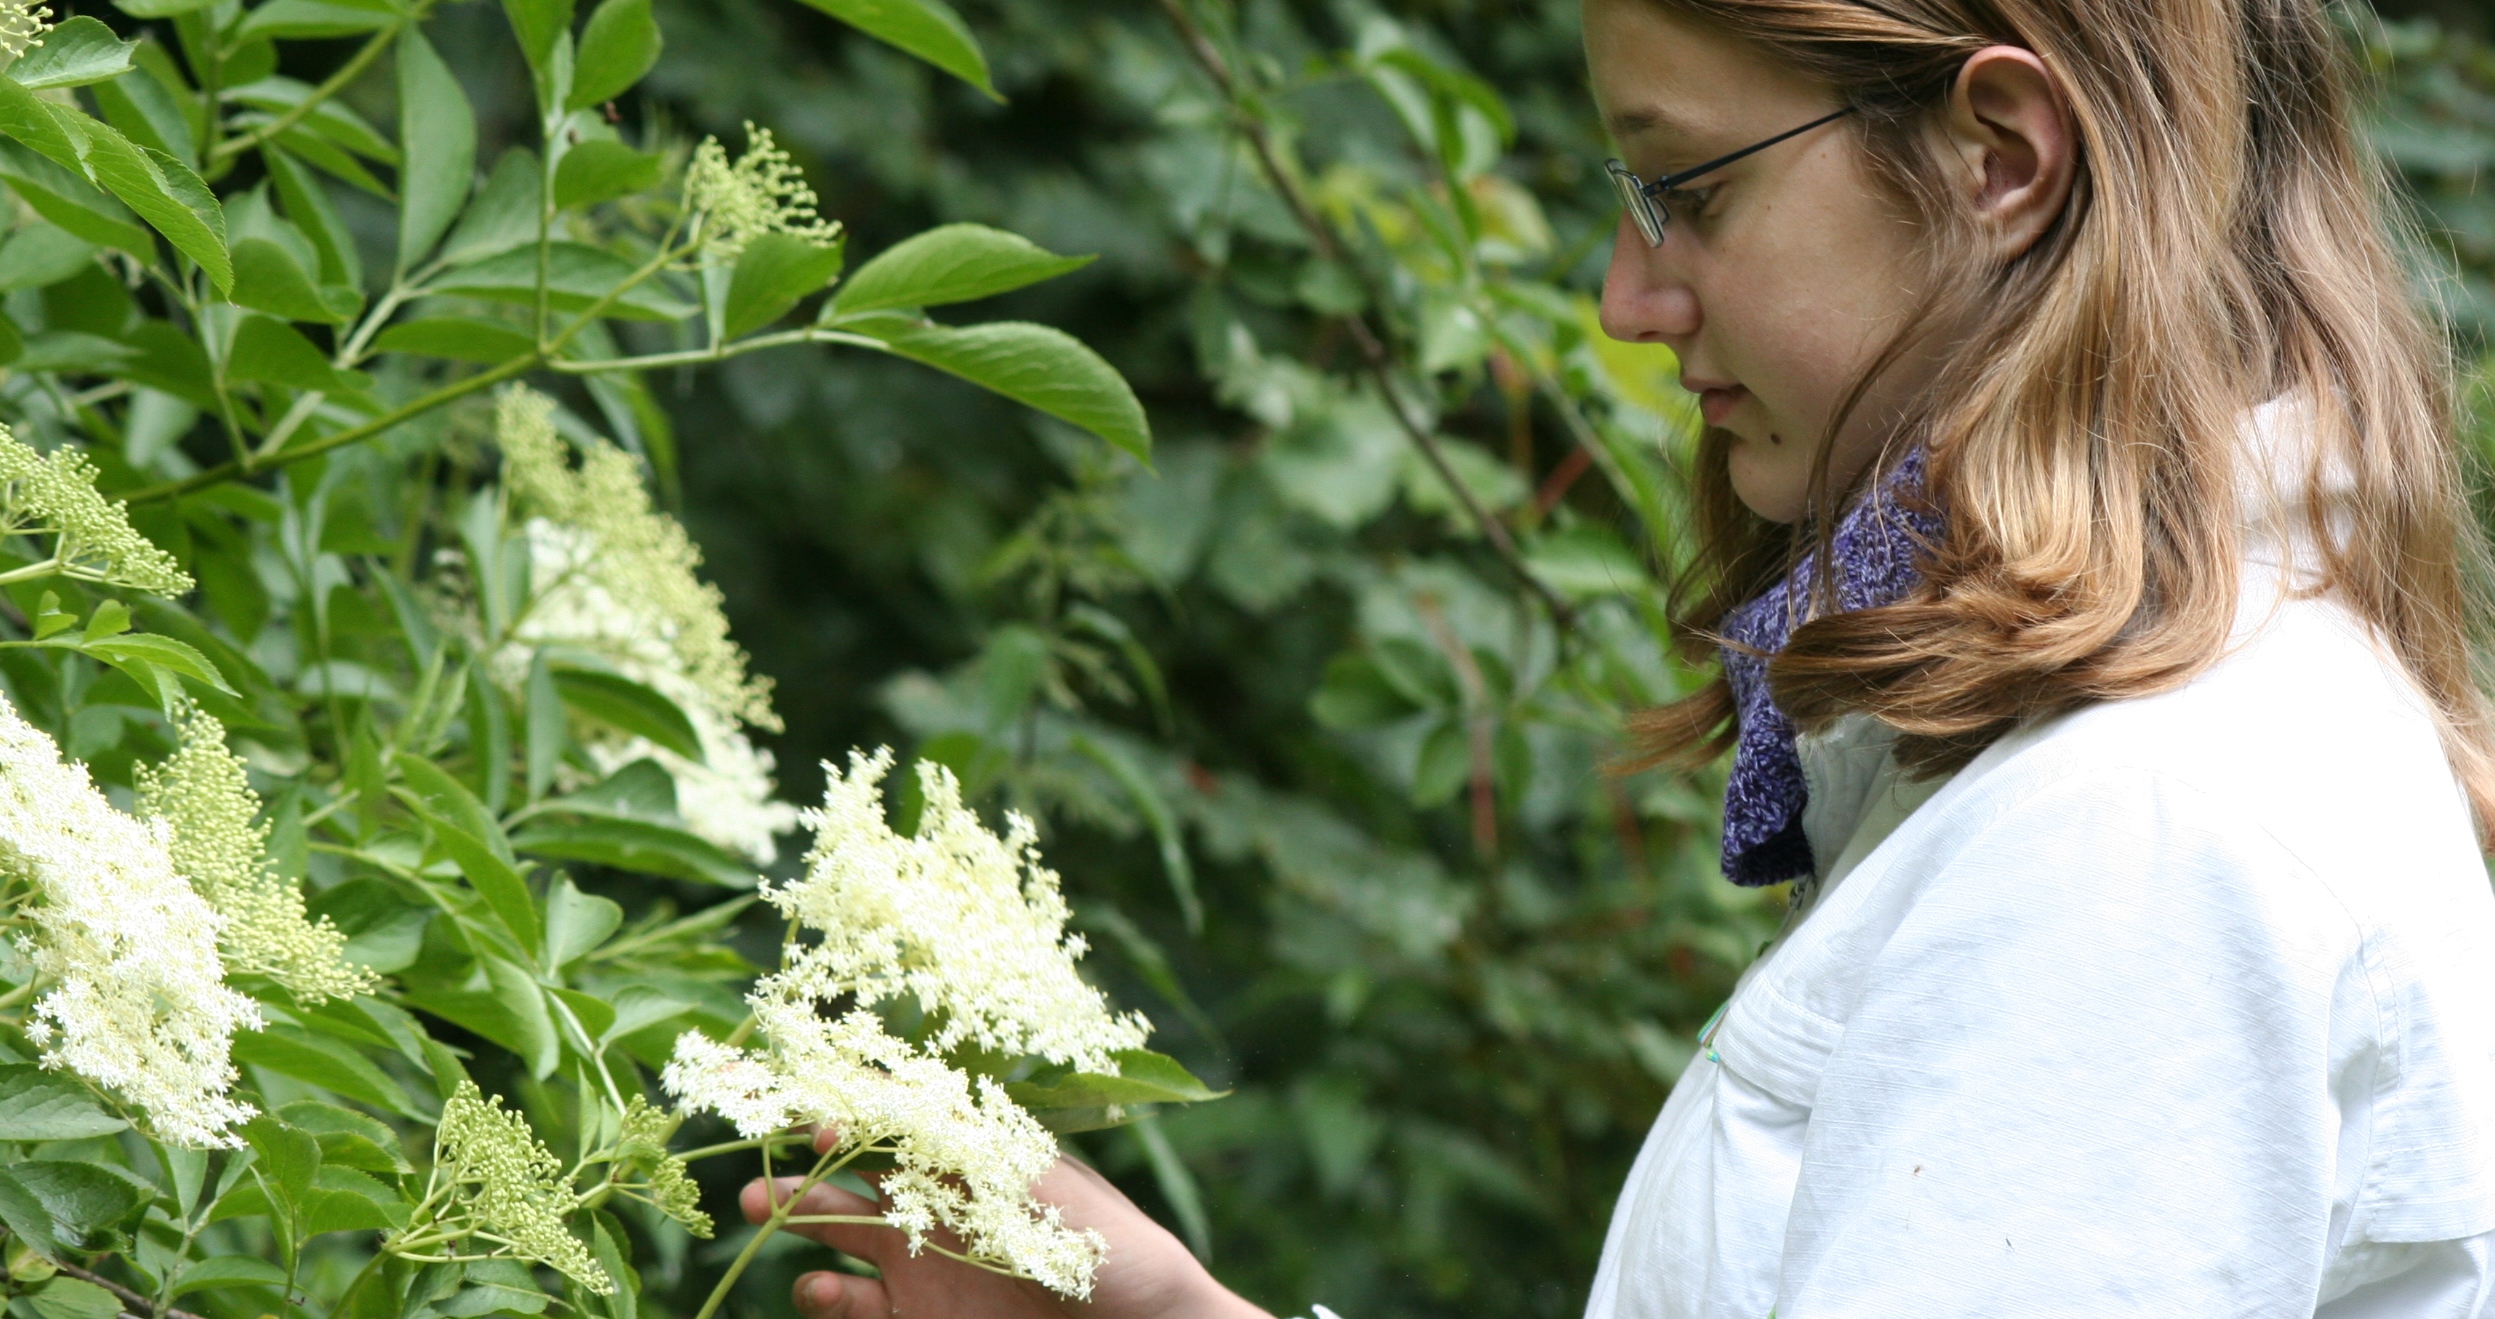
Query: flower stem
column 780, row 1213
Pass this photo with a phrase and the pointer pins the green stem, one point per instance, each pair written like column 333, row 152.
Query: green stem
column 330, row 87
column 732, row 1146
column 823, row 1167
column 31, row 571
column 721, row 353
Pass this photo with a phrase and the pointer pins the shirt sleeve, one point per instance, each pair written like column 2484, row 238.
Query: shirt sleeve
column 2103, row 1065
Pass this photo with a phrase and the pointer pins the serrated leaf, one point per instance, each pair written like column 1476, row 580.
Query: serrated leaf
column 955, row 263
column 266, row 278
column 1037, row 365
column 40, row 1105
column 577, row 275
column 269, row 350
column 928, row 29
column 165, row 192
column 636, row 845
column 69, row 1298
column 74, row 53
column 221, row 1271
column 1143, row 1077
column 329, row 1063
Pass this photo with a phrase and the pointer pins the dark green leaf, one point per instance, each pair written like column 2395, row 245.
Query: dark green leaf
column 221, row 1271
column 512, row 1013
column 346, row 1200
column 59, row 1203
column 286, row 1159
column 40, row 1105
column 78, row 51
column 598, row 170
column 348, row 1139
column 459, row 338
column 539, row 25
column 928, row 29
column 629, row 707
column 326, row 1062
column 620, row 44
column 39, row 124
column 309, row 18
column 267, row 349
column 437, row 130
column 577, row 275
column 267, row 279
column 956, row 263
column 469, row 836
column 164, row 191
column 1045, row 368
column 577, row 922
column 68, row 1298
column 68, row 200
column 146, row 655
column 308, row 206
column 1144, row 1077
column 772, row 274
column 637, row 845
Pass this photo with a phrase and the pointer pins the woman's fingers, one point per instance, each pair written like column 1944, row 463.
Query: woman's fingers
column 841, row 1296
column 864, row 1240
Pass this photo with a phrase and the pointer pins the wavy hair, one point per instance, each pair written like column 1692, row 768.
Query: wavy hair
column 2226, row 242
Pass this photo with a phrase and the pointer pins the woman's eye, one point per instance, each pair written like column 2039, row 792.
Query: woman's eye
column 1690, row 203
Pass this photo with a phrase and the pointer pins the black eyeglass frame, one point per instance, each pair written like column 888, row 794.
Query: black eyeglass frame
column 1644, row 201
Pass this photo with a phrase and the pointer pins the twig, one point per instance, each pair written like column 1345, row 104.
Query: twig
column 143, row 1305
column 1373, row 352
column 315, row 98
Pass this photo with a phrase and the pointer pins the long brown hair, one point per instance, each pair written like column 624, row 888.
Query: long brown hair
column 2226, row 242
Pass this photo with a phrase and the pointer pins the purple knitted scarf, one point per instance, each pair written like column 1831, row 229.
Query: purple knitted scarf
column 1874, row 549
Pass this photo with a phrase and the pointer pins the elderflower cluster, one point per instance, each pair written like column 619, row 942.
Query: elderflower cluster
column 970, row 926
column 505, row 1190
column 205, row 802
column 54, row 495
column 137, row 1000
column 762, row 193
column 22, row 25
column 614, row 576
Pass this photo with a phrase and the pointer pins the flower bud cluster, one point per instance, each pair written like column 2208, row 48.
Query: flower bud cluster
column 54, row 495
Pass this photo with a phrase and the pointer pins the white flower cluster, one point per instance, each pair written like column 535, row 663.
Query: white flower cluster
column 762, row 193
column 614, row 576
column 205, row 802
column 138, row 1002
column 22, row 25
column 54, row 495
column 971, row 927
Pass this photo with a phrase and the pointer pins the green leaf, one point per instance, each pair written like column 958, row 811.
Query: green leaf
column 1157, row 817
column 346, row 1200
column 772, row 274
column 158, row 662
column 599, row 170
column 348, row 1139
column 159, row 8
column 1043, row 367
column 308, row 206
column 266, row 278
column 60, row 1204
column 540, row 26
column 1143, row 1077
column 221, row 1271
column 39, row 125
column 40, row 1105
column 285, row 1159
column 309, row 18
column 628, row 707
column 459, row 338
column 577, row 275
column 164, row 191
column 79, row 51
column 67, row 199
column 928, row 29
column 437, row 130
column 326, row 1062
column 511, row 1013
column 1355, row 695
column 542, row 726
column 636, row 845
column 469, row 836
column 956, row 263
column 577, row 922
column 269, row 350
column 68, row 1298
column 618, row 47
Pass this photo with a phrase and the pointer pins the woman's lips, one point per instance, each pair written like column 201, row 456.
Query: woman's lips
column 1718, row 403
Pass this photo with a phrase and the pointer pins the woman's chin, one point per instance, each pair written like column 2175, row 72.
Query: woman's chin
column 1766, row 480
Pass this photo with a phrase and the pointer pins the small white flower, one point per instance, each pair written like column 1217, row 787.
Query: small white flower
column 970, row 926
column 138, row 1002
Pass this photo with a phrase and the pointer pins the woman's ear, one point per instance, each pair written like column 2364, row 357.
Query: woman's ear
column 2010, row 127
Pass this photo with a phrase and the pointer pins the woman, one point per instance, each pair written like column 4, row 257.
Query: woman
column 2081, row 483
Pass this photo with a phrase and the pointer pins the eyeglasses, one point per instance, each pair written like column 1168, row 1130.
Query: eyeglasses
column 1644, row 201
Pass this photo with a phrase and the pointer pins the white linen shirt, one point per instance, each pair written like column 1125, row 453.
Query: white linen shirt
column 2181, row 1006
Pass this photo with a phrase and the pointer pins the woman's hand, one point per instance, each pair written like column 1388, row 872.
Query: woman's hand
column 1147, row 1275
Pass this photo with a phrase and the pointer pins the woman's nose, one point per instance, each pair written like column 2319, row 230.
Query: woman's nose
column 1645, row 300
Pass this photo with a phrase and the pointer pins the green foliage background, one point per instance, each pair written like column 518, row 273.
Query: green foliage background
column 1321, row 759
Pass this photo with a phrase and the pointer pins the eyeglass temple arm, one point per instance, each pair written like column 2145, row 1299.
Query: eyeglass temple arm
column 1671, row 181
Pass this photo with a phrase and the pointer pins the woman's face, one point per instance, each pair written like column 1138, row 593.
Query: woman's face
column 1782, row 276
